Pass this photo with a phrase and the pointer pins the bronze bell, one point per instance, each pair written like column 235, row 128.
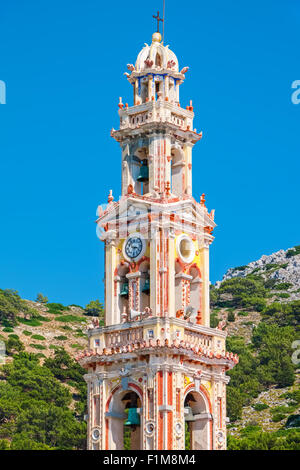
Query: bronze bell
column 133, row 418
column 188, row 414
column 124, row 290
column 144, row 172
column 146, row 287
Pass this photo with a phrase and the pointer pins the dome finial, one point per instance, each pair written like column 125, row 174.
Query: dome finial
column 156, row 37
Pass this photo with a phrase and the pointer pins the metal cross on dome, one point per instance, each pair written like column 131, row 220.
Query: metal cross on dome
column 158, row 20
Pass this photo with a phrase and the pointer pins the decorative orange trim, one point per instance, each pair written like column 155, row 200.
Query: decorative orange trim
column 170, row 388
column 203, row 389
column 160, row 414
column 194, row 265
column 170, row 431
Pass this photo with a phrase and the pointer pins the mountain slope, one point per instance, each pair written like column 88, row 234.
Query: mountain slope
column 259, row 304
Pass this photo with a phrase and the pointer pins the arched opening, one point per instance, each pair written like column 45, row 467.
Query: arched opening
column 172, row 96
column 123, row 290
column 177, row 174
column 178, row 287
column 141, row 175
column 124, row 420
column 195, row 289
column 158, row 61
column 144, row 91
column 144, row 285
column 197, row 422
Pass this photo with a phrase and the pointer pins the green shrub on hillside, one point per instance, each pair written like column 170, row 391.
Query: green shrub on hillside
column 231, row 316
column 264, row 362
column 13, row 346
column 27, row 333
column 270, row 283
column 31, row 322
column 272, row 266
column 240, row 292
column 258, row 440
column 283, row 286
column 214, row 321
column 80, row 334
column 94, row 308
column 34, row 408
column 273, row 345
column 66, row 369
column 260, row 406
column 8, row 330
column 293, row 251
column 38, row 337
column 41, row 298
column 294, row 396
column 11, row 305
column 77, row 346
column 277, row 417
column 37, row 346
column 56, row 308
column 283, row 314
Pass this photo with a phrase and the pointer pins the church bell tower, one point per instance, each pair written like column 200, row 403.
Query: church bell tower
column 156, row 369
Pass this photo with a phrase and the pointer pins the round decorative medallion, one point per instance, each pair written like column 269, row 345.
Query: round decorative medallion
column 134, row 247
column 150, row 428
column 220, row 437
column 95, row 434
column 178, row 429
column 185, row 248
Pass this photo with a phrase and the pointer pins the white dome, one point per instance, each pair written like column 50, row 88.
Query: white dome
column 156, row 56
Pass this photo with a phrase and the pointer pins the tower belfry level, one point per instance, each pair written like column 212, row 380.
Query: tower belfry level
column 156, row 370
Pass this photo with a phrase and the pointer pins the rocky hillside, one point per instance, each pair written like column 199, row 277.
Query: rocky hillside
column 47, row 331
column 42, row 391
column 280, row 267
column 259, row 306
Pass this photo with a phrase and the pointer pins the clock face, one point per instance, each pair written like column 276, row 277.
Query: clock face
column 133, row 247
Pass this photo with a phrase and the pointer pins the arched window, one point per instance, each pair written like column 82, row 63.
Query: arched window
column 195, row 289
column 122, row 290
column 158, row 60
column 124, row 406
column 177, row 170
column 198, row 422
column 144, row 269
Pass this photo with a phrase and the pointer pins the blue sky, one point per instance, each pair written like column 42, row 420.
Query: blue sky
column 63, row 64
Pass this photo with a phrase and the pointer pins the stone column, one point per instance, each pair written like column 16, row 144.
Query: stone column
column 154, row 270
column 188, row 168
column 125, row 169
column 171, row 273
column 110, row 264
column 204, row 256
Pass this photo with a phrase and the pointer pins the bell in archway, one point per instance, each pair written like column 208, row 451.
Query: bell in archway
column 144, row 172
column 124, row 290
column 188, row 414
column 133, row 418
column 146, row 287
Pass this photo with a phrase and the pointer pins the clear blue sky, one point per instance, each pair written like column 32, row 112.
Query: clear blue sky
column 63, row 63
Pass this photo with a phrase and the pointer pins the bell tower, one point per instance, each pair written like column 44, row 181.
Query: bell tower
column 156, row 370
